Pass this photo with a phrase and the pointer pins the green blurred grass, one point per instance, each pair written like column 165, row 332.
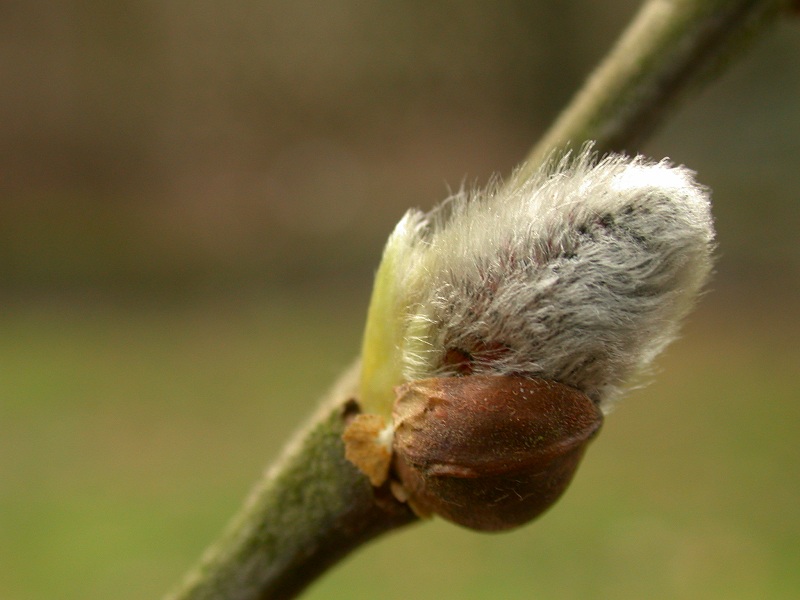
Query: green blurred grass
column 130, row 433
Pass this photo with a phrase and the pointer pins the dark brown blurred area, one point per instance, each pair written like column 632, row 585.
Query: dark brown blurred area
column 149, row 145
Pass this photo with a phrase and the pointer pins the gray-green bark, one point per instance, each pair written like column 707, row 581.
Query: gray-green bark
column 670, row 50
column 312, row 508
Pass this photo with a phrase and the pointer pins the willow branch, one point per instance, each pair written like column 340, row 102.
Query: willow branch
column 313, row 507
column 670, row 50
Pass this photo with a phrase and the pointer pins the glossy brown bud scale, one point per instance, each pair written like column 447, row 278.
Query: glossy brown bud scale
column 489, row 452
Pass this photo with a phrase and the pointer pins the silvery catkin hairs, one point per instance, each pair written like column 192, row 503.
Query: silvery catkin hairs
column 580, row 274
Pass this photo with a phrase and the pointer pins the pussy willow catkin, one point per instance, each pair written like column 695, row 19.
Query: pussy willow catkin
column 580, row 274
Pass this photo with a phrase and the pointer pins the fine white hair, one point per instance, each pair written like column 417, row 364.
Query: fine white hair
column 580, row 274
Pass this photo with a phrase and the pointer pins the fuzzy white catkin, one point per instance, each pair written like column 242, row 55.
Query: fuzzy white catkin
column 581, row 274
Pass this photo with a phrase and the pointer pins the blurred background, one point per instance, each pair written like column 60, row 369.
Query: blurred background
column 193, row 199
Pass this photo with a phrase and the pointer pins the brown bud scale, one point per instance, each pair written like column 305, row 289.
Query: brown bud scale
column 364, row 448
column 489, row 452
